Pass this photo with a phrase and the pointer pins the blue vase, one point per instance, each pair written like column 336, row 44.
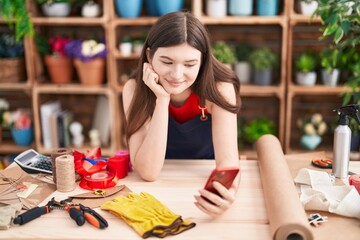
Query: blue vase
column 128, row 8
column 152, row 8
column 168, row 6
column 310, row 142
column 267, row 7
column 241, row 7
column 22, row 137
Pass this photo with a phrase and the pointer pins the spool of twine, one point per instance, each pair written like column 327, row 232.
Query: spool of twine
column 54, row 154
column 65, row 176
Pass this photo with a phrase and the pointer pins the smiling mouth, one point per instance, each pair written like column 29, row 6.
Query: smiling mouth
column 174, row 84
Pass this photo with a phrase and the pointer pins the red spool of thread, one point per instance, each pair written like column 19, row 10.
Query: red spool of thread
column 118, row 165
column 99, row 180
column 125, row 153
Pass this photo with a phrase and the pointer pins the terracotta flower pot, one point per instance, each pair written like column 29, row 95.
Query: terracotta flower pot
column 90, row 72
column 60, row 69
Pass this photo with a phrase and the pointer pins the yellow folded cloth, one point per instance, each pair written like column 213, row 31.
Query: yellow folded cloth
column 146, row 215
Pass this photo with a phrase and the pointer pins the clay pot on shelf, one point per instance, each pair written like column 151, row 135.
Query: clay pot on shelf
column 90, row 72
column 60, row 69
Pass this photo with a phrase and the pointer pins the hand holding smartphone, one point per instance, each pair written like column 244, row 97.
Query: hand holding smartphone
column 225, row 176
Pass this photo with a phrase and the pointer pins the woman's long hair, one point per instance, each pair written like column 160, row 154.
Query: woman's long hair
column 170, row 30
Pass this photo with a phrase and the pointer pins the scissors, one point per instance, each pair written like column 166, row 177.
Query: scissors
column 322, row 162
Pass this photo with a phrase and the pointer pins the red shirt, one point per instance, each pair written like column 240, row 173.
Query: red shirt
column 188, row 111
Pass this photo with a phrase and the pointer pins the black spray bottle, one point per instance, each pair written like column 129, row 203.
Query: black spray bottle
column 342, row 139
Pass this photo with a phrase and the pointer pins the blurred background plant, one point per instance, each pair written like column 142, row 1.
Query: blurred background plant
column 15, row 14
column 313, row 125
column 4, row 107
column 254, row 129
column 9, row 47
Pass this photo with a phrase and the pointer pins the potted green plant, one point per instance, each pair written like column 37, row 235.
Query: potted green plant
column 11, row 59
column 242, row 65
column 56, row 8
column 313, row 127
column 340, row 22
column 305, row 65
column 90, row 9
column 224, row 53
column 14, row 13
column 308, row 7
column 263, row 60
column 126, row 46
column 330, row 58
column 254, row 129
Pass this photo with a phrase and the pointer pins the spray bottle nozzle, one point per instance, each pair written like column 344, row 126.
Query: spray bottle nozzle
column 352, row 110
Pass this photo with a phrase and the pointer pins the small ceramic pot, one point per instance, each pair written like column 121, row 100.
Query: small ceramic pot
column 56, row 9
column 22, row 137
column 90, row 9
column 310, row 142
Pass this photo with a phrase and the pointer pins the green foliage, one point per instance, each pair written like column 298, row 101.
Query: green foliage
column 15, row 14
column 263, row 59
column 42, row 44
column 258, row 127
column 243, row 51
column 306, row 62
column 348, row 58
column 341, row 23
column 330, row 58
column 224, row 52
column 338, row 24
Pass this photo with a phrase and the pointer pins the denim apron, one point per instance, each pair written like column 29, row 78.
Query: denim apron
column 190, row 140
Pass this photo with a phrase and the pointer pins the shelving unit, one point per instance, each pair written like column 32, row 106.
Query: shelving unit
column 282, row 102
column 304, row 35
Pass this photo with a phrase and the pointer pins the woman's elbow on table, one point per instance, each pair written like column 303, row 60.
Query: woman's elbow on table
column 149, row 176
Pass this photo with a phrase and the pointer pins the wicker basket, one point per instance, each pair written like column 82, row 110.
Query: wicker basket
column 12, row 70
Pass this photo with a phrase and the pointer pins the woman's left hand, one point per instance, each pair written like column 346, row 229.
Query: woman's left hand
column 213, row 204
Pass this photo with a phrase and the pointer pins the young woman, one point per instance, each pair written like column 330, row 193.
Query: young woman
column 182, row 104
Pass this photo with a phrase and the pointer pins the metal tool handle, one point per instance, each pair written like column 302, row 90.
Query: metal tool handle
column 31, row 215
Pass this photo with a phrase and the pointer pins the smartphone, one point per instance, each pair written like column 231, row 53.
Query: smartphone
column 225, row 176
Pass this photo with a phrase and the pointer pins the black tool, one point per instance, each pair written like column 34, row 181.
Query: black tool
column 78, row 212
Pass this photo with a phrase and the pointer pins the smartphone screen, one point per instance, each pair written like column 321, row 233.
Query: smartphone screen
column 225, row 176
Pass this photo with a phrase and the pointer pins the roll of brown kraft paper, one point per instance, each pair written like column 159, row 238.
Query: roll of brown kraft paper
column 286, row 214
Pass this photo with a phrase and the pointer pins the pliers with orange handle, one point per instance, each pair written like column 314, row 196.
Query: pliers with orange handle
column 78, row 212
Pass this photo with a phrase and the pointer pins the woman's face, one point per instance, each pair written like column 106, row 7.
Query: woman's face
column 177, row 67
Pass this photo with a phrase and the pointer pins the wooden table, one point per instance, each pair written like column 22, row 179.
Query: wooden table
column 178, row 183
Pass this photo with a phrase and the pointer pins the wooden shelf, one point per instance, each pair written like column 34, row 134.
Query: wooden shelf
column 9, row 147
column 299, row 18
column 69, row 21
column 317, row 89
column 283, row 94
column 261, row 91
column 244, row 20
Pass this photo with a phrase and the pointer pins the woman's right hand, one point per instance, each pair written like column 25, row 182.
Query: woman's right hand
column 151, row 79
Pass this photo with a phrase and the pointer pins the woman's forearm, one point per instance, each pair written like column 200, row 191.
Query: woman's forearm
column 150, row 156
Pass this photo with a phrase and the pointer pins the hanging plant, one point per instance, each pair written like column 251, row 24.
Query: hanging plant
column 15, row 14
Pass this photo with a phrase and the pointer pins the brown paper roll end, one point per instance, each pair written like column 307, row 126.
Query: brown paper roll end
column 293, row 232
